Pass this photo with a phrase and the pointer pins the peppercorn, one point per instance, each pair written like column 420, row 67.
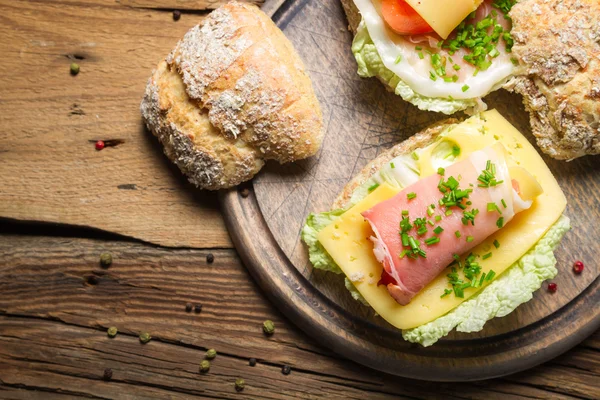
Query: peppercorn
column 74, row 68
column 92, row 280
column 105, row 260
column 286, row 369
column 239, row 384
column 252, row 362
column 245, row 192
column 188, row 307
column 145, row 337
column 112, row 331
column 578, row 267
column 107, row 374
column 552, row 287
column 268, row 327
column 198, row 308
column 210, row 258
column 99, row 145
column 176, row 15
column 204, row 366
column 211, row 353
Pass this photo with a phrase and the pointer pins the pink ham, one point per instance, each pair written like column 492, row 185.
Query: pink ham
column 405, row 276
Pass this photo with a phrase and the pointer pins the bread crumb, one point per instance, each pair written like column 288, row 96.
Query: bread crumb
column 357, row 277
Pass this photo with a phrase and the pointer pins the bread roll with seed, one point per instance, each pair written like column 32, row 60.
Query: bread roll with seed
column 232, row 94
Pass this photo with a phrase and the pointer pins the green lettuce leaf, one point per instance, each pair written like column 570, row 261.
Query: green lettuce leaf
column 317, row 254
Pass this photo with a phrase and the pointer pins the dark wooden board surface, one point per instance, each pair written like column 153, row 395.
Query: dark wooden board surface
column 363, row 119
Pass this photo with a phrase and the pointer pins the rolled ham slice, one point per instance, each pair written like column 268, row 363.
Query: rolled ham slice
column 405, row 276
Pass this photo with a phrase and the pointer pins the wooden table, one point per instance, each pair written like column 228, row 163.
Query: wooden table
column 63, row 203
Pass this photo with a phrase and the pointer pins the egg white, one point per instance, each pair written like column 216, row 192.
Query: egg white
column 398, row 55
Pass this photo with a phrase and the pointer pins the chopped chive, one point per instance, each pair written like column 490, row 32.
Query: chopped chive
column 373, row 187
column 441, row 171
column 438, row 230
column 490, row 275
column 465, row 88
column 438, row 218
column 430, row 211
column 411, row 195
column 415, row 156
column 430, row 222
column 470, row 239
column 420, row 54
column 432, row 240
column 500, row 222
column 418, row 48
column 457, row 234
column 446, row 293
column 392, row 165
column 448, row 213
column 482, row 279
column 486, row 256
column 496, row 244
column 503, row 203
column 405, row 212
column 404, row 237
column 398, row 59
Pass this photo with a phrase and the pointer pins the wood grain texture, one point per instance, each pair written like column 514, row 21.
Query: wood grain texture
column 191, row 5
column 362, row 120
column 53, row 344
column 49, row 121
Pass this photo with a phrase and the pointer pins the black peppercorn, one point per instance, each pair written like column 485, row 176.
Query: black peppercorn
column 188, row 307
column 92, row 280
column 198, row 308
column 286, row 369
column 245, row 192
column 252, row 362
column 176, row 15
column 107, row 374
column 210, row 258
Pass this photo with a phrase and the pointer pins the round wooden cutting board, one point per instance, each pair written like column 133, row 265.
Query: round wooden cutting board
column 362, row 119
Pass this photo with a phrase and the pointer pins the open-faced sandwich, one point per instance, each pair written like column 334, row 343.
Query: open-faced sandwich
column 451, row 228
column 445, row 56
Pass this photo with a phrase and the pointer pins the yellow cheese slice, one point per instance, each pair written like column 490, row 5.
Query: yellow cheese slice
column 346, row 239
column 444, row 15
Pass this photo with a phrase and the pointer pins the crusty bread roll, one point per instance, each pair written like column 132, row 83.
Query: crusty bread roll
column 420, row 140
column 558, row 44
column 232, row 94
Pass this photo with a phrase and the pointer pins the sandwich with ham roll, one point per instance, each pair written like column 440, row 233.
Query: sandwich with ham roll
column 451, row 228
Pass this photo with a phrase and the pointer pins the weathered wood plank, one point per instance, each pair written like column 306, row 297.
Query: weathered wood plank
column 49, row 120
column 193, row 5
column 52, row 333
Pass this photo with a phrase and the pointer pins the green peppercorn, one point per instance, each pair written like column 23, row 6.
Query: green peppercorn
column 211, row 353
column 145, row 337
column 204, row 366
column 105, row 260
column 239, row 384
column 268, row 327
column 112, row 331
column 74, row 68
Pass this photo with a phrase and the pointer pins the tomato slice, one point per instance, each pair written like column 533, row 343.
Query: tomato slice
column 403, row 19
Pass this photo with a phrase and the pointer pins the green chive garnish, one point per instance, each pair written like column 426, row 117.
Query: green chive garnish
column 441, row 171
column 465, row 88
column 470, row 239
column 500, row 222
column 457, row 234
column 490, row 275
column 432, row 240
column 373, row 187
column 496, row 244
column 503, row 203
column 411, row 195
column 446, row 293
column 392, row 165
column 438, row 230
column 405, row 212
column 486, row 256
column 438, row 218
column 415, row 156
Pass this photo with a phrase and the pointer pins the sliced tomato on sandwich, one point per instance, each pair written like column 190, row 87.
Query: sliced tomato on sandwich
column 403, row 19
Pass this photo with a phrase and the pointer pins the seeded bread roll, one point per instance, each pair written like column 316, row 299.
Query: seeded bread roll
column 558, row 44
column 232, row 94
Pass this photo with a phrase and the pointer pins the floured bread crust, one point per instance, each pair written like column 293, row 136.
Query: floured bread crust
column 420, row 140
column 232, row 94
column 558, row 44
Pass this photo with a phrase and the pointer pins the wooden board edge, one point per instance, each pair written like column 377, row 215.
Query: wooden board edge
column 335, row 328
